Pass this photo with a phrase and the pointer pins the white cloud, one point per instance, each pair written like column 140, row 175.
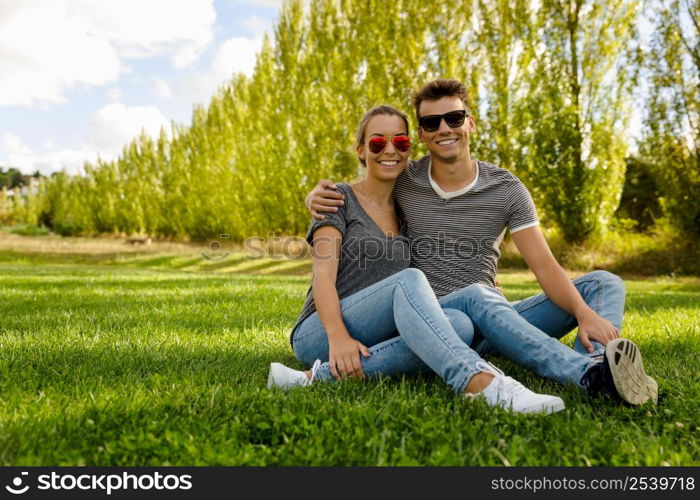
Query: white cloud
column 113, row 126
column 235, row 55
column 43, row 53
column 141, row 28
column 13, row 143
column 161, row 89
column 18, row 155
column 48, row 47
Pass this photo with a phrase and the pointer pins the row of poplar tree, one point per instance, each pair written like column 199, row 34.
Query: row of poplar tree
column 553, row 84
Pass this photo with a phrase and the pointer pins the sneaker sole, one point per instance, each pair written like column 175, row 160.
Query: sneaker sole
column 547, row 408
column 627, row 368
column 554, row 405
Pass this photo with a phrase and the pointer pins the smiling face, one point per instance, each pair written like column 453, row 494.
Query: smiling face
column 449, row 145
column 390, row 161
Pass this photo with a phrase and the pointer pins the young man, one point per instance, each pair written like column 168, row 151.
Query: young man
column 456, row 211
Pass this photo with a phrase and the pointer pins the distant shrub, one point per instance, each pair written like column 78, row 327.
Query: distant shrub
column 661, row 251
column 29, row 230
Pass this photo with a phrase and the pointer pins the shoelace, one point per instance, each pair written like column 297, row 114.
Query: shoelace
column 502, row 380
column 516, row 386
column 314, row 370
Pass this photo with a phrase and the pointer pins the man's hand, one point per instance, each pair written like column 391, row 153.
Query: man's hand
column 321, row 199
column 593, row 327
column 344, row 358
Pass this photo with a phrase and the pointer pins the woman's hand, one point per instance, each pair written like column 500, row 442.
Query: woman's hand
column 344, row 357
column 593, row 327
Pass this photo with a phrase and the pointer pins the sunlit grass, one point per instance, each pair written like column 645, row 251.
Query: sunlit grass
column 146, row 364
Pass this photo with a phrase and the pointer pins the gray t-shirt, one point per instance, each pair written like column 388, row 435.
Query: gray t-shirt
column 367, row 254
column 455, row 237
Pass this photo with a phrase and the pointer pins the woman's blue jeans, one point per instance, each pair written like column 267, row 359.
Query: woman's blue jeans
column 406, row 331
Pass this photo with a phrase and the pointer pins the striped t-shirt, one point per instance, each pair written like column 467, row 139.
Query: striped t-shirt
column 455, row 240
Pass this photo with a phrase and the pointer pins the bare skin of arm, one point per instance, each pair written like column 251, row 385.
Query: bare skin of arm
column 559, row 288
column 344, row 351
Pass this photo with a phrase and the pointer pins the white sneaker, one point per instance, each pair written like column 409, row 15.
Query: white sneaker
column 510, row 394
column 285, row 378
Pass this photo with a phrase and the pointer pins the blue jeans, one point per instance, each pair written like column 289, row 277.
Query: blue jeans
column 527, row 331
column 406, row 331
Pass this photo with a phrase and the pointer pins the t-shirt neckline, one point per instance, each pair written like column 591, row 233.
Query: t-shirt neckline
column 376, row 226
column 447, row 195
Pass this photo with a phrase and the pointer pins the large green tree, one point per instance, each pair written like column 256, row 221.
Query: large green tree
column 575, row 107
column 503, row 29
column 672, row 127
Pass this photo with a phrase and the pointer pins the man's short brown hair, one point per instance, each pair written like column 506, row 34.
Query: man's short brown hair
column 437, row 89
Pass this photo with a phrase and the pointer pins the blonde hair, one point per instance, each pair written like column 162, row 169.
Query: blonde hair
column 384, row 109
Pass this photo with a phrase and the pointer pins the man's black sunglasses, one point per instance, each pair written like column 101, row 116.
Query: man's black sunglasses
column 454, row 119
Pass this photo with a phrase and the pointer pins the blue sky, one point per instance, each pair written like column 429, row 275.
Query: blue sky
column 81, row 77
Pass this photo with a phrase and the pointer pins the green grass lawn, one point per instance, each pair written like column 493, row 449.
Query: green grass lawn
column 126, row 364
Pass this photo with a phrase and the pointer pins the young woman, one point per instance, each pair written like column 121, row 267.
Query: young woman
column 367, row 313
